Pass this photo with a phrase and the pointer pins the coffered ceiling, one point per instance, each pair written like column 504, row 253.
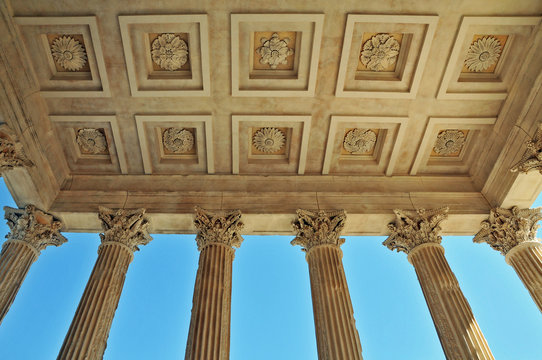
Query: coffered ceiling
column 272, row 106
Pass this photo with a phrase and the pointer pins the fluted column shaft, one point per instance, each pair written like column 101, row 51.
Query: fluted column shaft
column 89, row 330
column 458, row 331
column 526, row 259
column 209, row 334
column 15, row 261
column 336, row 334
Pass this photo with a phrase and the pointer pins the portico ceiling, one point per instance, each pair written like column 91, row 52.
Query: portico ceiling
column 272, row 106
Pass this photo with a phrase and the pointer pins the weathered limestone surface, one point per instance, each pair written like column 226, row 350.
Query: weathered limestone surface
column 417, row 234
column 513, row 233
column 209, row 334
column 32, row 230
column 87, row 336
column 336, row 334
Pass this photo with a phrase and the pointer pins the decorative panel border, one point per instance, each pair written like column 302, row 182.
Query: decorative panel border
column 516, row 31
column 143, row 81
column 303, row 81
column 419, row 32
column 97, row 83
column 203, row 138
column 265, row 121
column 116, row 149
column 473, row 141
column 394, row 126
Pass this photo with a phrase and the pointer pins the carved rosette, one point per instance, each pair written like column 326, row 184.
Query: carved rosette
column 91, row 141
column 178, row 140
column 322, row 227
column 359, row 141
column 34, row 227
column 269, row 140
column 532, row 158
column 380, row 52
column 274, row 51
column 12, row 155
column 413, row 228
column 169, row 51
column 127, row 227
column 218, row 227
column 68, row 53
column 449, row 142
column 483, row 53
column 506, row 228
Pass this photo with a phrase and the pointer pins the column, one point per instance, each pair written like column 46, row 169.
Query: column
column 32, row 230
column 217, row 234
column 417, row 234
column 512, row 232
column 318, row 233
column 87, row 336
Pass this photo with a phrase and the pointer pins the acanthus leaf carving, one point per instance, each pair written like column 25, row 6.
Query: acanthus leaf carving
column 34, row 227
column 380, row 52
column 91, row 141
column 12, row 154
column 218, row 227
column 127, row 227
column 318, row 227
column 506, row 228
column 169, row 51
column 359, row 141
column 413, row 228
column 274, row 51
column 532, row 158
column 68, row 53
column 178, row 140
column 449, row 142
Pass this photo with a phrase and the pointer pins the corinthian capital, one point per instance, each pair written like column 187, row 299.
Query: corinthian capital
column 506, row 228
column 413, row 228
column 11, row 151
column 33, row 226
column 322, row 227
column 532, row 158
column 218, row 227
column 128, row 227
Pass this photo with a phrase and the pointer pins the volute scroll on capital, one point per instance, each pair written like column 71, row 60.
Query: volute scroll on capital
column 413, row 228
column 218, row 227
column 532, row 158
column 506, row 228
column 34, row 227
column 318, row 227
column 128, row 227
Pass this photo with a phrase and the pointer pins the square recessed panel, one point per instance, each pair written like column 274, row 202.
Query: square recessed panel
column 66, row 55
column 384, row 55
column 451, row 145
column 269, row 144
column 363, row 144
column 487, row 54
column 275, row 54
column 176, row 144
column 166, row 55
column 91, row 144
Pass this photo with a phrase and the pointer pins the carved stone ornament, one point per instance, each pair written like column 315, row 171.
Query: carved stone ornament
column 380, row 52
column 128, row 227
column 178, row 140
column 532, row 158
column 322, row 227
column 68, row 53
column 169, row 51
column 274, row 51
column 413, row 228
column 483, row 53
column 218, row 227
column 449, row 142
column 91, row 141
column 12, row 154
column 268, row 140
column 359, row 141
column 34, row 227
column 506, row 228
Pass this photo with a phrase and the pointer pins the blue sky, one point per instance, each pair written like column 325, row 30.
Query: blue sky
column 271, row 304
